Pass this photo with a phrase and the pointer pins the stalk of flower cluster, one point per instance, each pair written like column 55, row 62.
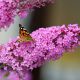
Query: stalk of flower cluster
column 11, row 8
column 48, row 43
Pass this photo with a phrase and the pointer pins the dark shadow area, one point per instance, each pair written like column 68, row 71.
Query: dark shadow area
column 39, row 17
column 36, row 74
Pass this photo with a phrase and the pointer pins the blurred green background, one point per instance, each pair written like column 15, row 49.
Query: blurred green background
column 59, row 13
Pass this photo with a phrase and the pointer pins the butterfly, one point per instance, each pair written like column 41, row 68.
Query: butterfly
column 24, row 36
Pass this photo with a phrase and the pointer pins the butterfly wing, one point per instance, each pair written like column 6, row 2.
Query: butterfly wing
column 28, row 38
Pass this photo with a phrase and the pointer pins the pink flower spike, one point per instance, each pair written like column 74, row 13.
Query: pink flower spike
column 50, row 43
column 11, row 8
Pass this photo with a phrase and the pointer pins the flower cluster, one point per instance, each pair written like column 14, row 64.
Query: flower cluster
column 7, row 13
column 10, row 8
column 48, row 43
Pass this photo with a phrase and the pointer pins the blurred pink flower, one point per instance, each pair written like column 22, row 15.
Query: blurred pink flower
column 10, row 8
column 13, row 75
column 5, row 75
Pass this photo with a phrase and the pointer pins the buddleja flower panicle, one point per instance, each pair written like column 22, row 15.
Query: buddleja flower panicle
column 11, row 8
column 50, row 43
